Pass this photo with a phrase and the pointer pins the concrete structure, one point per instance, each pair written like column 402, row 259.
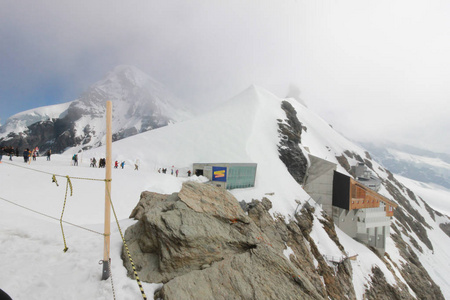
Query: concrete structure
column 359, row 211
column 228, row 175
column 366, row 177
column 318, row 182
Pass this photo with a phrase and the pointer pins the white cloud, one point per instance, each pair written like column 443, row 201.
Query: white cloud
column 363, row 66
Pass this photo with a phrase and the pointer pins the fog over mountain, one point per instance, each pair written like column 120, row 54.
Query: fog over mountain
column 140, row 103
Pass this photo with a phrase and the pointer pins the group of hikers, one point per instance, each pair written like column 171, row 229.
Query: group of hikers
column 34, row 153
column 101, row 163
column 6, row 151
column 116, row 164
column 27, row 153
column 164, row 171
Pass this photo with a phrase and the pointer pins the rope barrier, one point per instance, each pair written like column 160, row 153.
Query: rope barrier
column 53, row 218
column 112, row 283
column 53, row 175
column 68, row 184
column 110, row 275
column 126, row 248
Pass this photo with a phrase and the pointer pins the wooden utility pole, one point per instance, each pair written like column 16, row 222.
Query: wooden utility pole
column 108, row 167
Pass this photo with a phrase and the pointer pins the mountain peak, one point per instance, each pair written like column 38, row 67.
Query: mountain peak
column 128, row 76
column 140, row 103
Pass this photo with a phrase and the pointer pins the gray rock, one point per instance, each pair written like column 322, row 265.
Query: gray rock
column 290, row 132
column 202, row 245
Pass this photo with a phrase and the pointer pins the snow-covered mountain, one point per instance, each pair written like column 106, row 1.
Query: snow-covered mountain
column 418, row 164
column 139, row 104
column 248, row 128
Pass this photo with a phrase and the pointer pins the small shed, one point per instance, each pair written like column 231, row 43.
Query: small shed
column 228, row 175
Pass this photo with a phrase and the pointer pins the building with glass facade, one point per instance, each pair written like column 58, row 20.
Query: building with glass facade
column 228, row 175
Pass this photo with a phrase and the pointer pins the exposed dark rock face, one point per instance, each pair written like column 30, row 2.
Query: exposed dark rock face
column 338, row 281
column 343, row 161
column 445, row 228
column 409, row 221
column 412, row 221
column 414, row 273
column 380, row 290
column 124, row 133
column 55, row 134
column 290, row 137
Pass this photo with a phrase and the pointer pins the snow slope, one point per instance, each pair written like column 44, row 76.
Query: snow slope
column 32, row 263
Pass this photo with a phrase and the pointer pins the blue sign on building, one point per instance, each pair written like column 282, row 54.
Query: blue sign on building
column 219, row 174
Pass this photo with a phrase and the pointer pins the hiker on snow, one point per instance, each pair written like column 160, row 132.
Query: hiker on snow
column 26, row 155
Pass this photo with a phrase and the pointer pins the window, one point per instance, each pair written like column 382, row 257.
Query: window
column 241, row 176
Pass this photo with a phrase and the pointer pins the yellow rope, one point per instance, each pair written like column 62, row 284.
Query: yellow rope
column 54, row 180
column 68, row 184
column 128, row 251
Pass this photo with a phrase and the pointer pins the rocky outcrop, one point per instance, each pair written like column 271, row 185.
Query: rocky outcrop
column 413, row 271
column 380, row 289
column 343, row 161
column 202, row 245
column 338, row 279
column 445, row 228
column 290, row 131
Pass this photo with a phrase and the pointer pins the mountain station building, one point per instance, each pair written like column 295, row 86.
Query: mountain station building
column 228, row 175
column 356, row 208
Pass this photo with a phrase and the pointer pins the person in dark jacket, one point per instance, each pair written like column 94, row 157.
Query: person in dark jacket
column 26, row 155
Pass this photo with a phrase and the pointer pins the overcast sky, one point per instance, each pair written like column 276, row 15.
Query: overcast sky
column 373, row 69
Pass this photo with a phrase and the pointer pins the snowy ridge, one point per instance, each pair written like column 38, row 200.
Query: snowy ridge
column 243, row 129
